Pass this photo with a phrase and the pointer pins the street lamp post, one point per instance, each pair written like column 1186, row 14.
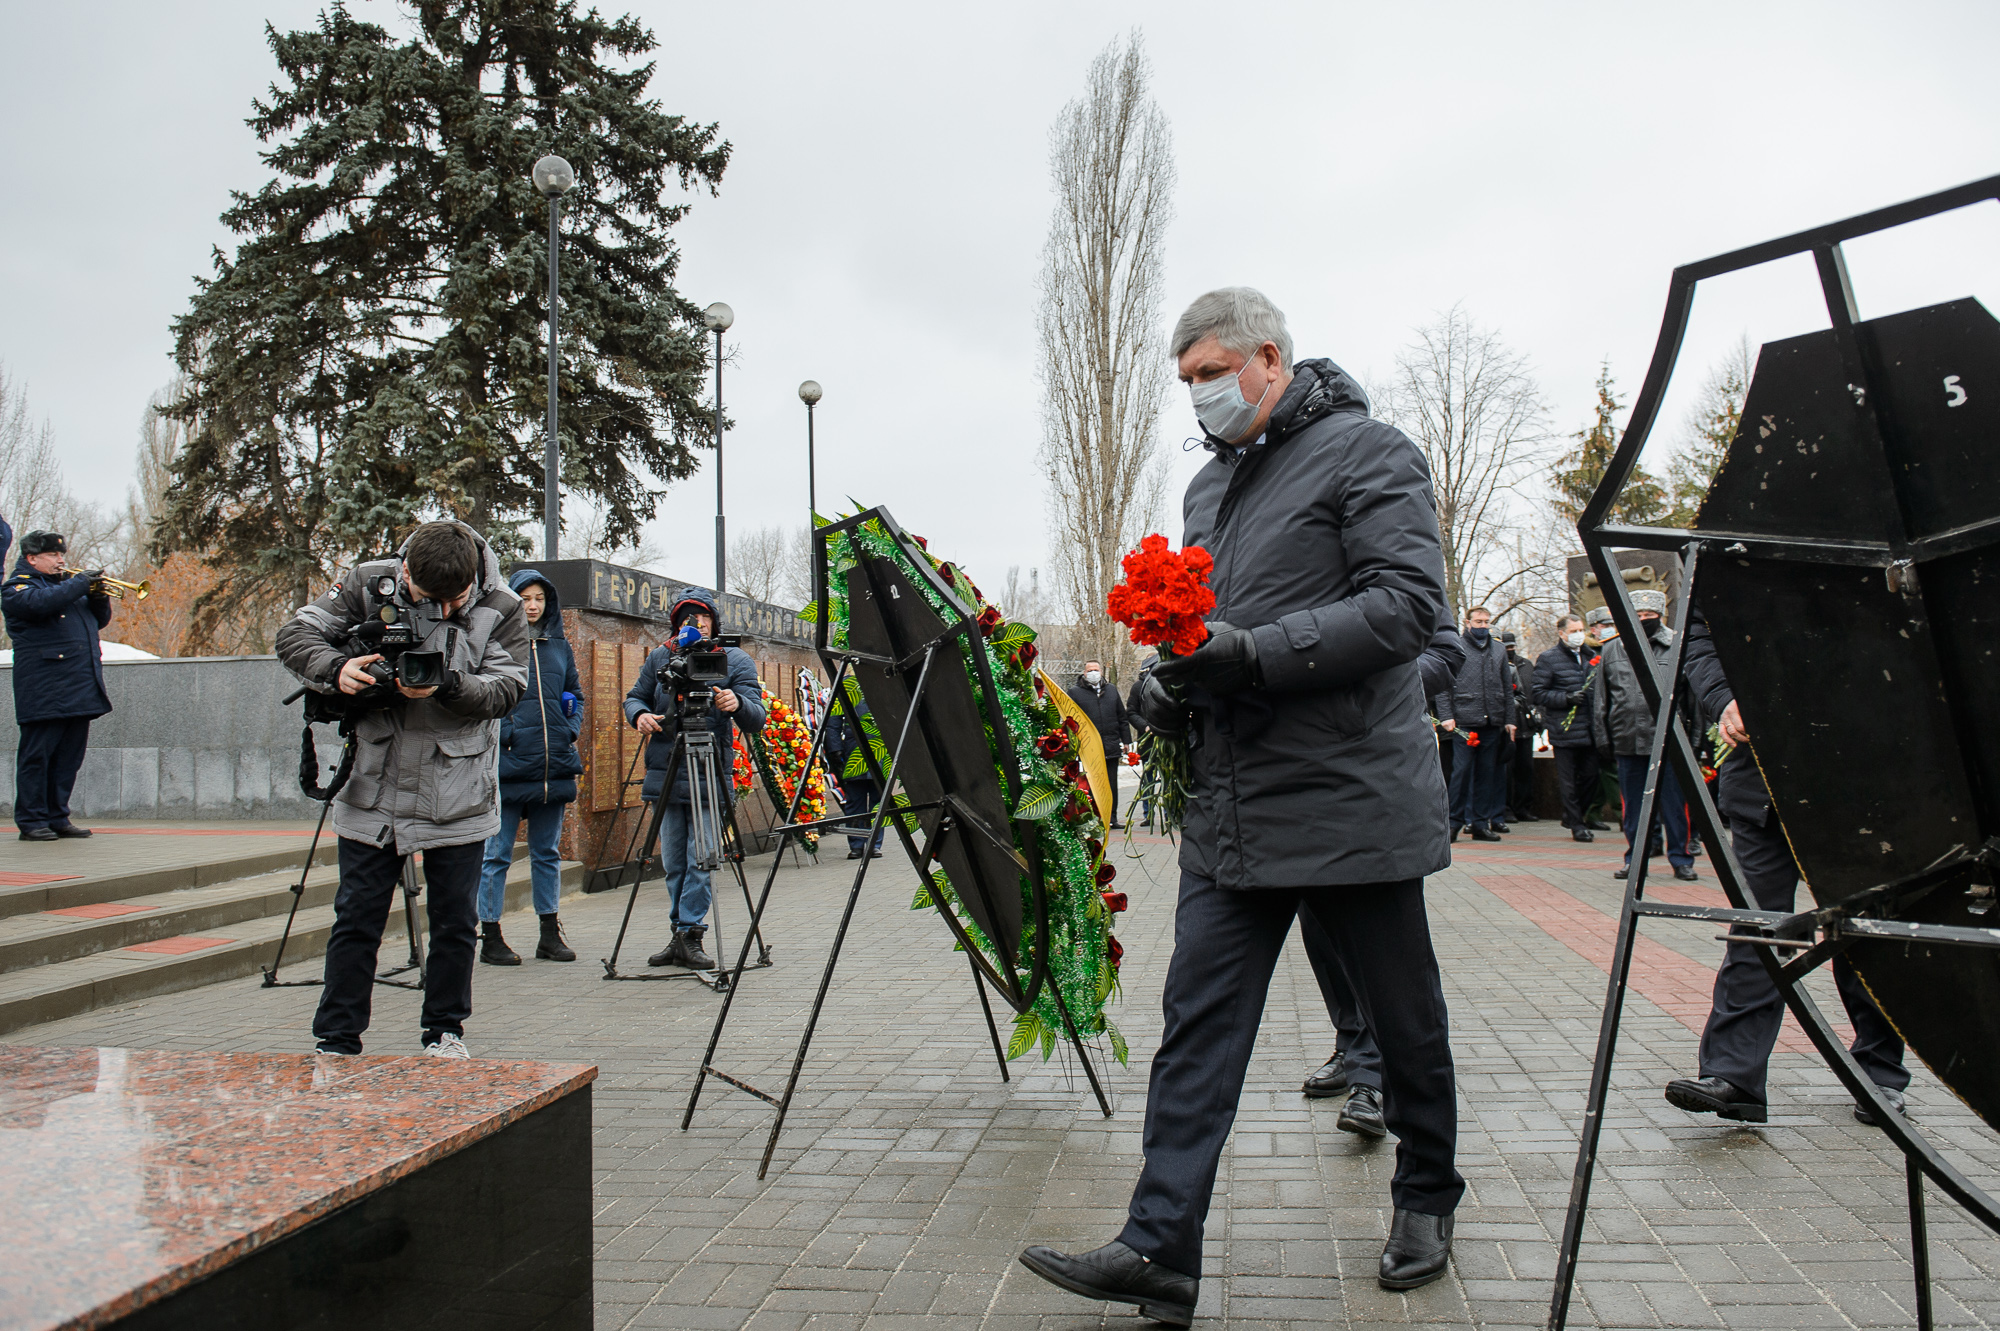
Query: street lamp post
column 718, row 317
column 809, row 393
column 553, row 177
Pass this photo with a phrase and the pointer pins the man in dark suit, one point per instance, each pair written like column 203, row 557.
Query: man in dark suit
column 53, row 619
column 1313, row 783
column 1106, row 710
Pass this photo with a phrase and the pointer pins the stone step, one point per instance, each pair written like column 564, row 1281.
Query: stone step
column 62, row 893
column 159, row 965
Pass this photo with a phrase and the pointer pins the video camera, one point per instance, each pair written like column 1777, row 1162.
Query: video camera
column 696, row 665
column 396, row 632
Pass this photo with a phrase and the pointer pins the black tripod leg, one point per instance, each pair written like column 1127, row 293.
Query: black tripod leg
column 1083, row 1055
column 729, row 994
column 298, row 894
column 743, row 881
column 652, row 825
column 411, row 922
column 1920, row 1242
column 979, row 986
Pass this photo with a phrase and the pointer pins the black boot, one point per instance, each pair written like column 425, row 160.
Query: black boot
column 552, row 947
column 493, row 949
column 1418, row 1250
column 691, row 954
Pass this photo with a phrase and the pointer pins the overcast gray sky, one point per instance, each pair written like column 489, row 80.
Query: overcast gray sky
column 878, row 230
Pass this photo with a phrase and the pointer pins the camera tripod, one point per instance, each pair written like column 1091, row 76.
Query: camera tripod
column 412, row 885
column 712, row 833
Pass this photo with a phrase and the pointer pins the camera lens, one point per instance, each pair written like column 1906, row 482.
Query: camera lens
column 420, row 670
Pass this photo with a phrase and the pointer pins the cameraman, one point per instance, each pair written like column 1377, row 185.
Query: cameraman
column 424, row 774
column 650, row 707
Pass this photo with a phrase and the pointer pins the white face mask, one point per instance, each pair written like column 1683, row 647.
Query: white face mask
column 1575, row 640
column 1092, row 676
column 1222, row 409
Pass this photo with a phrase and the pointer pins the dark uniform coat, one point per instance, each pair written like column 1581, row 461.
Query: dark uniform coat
column 1560, row 674
column 1325, row 539
column 58, row 665
column 1621, row 723
column 1482, row 693
column 1106, row 710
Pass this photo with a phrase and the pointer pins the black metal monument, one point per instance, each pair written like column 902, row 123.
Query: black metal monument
column 1847, row 558
column 910, row 664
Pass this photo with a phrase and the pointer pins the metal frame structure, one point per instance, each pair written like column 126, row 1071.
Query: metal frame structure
column 1813, row 936
column 939, row 821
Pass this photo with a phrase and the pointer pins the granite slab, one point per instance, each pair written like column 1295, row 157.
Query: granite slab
column 127, row 1175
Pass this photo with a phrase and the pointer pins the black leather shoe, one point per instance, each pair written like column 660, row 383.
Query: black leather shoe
column 67, row 830
column 1619, row 874
column 1331, row 1079
column 1527, row 817
column 1687, row 874
column 1362, row 1114
column 1713, row 1095
column 1582, row 834
column 1863, row 1114
column 1418, row 1250
column 1484, row 834
column 1502, row 828
column 1116, row 1274
column 1596, row 826
column 38, row 834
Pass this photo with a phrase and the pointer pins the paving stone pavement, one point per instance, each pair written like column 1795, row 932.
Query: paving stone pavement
column 909, row 1176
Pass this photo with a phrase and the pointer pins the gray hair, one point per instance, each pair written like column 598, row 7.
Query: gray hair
column 1242, row 319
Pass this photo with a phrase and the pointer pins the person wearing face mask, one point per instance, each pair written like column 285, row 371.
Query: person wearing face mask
column 1621, row 725
column 1563, row 684
column 1480, row 707
column 1313, row 783
column 1106, row 709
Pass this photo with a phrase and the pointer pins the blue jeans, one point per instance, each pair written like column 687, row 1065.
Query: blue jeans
column 1669, row 809
column 1478, row 783
column 863, row 792
column 544, row 827
column 678, row 853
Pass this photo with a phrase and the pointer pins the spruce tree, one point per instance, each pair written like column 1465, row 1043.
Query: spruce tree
column 373, row 354
column 1712, row 426
column 1579, row 472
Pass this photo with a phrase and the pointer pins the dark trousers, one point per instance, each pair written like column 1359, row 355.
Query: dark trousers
column 1521, row 775
column 1225, row 947
column 1353, row 1044
column 370, row 877
column 45, row 768
column 861, row 794
column 1478, row 782
column 1670, row 810
column 1111, row 760
column 1576, row 778
column 1743, row 1023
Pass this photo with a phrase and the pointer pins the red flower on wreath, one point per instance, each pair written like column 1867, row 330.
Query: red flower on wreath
column 1165, row 597
column 1054, row 744
column 1115, row 902
column 1105, row 873
column 989, row 619
column 1113, row 951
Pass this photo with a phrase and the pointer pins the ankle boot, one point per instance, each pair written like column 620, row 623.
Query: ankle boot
column 552, row 947
column 691, row 954
column 493, row 949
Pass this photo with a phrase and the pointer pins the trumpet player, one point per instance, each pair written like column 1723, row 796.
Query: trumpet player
column 53, row 618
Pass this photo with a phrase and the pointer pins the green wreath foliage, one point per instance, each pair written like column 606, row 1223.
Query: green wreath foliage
column 1083, row 954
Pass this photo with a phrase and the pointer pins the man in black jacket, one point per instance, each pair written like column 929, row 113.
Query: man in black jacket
column 1563, row 681
column 1106, row 710
column 1479, row 709
column 58, row 672
column 1313, row 783
column 1747, row 1011
column 1521, row 749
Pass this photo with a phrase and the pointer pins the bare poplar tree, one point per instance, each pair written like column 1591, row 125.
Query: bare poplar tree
column 1103, row 368
column 1471, row 404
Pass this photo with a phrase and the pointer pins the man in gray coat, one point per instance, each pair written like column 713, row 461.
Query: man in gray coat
column 426, row 775
column 1314, row 783
column 1621, row 723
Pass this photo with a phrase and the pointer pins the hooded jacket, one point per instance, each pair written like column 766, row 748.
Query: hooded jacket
column 1325, row 539
column 653, row 692
column 538, row 758
column 424, row 770
column 58, row 664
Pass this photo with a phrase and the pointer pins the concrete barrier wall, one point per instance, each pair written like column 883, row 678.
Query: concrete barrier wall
column 194, row 737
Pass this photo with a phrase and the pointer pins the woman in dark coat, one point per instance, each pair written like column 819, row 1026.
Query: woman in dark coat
column 538, row 770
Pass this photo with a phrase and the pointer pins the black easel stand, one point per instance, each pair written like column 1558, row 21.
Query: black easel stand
column 731, row 851
column 951, row 819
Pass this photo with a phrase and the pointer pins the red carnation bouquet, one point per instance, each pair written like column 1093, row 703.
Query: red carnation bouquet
column 1164, row 601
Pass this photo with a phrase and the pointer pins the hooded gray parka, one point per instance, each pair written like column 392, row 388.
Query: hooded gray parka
column 1325, row 540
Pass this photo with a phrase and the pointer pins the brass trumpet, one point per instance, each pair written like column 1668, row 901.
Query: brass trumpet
column 138, row 591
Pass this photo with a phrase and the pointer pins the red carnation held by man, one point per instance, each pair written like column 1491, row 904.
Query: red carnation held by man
column 1165, row 598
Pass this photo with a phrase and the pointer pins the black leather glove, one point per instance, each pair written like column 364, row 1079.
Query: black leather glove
column 1578, row 697
column 1225, row 664
column 1158, row 708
